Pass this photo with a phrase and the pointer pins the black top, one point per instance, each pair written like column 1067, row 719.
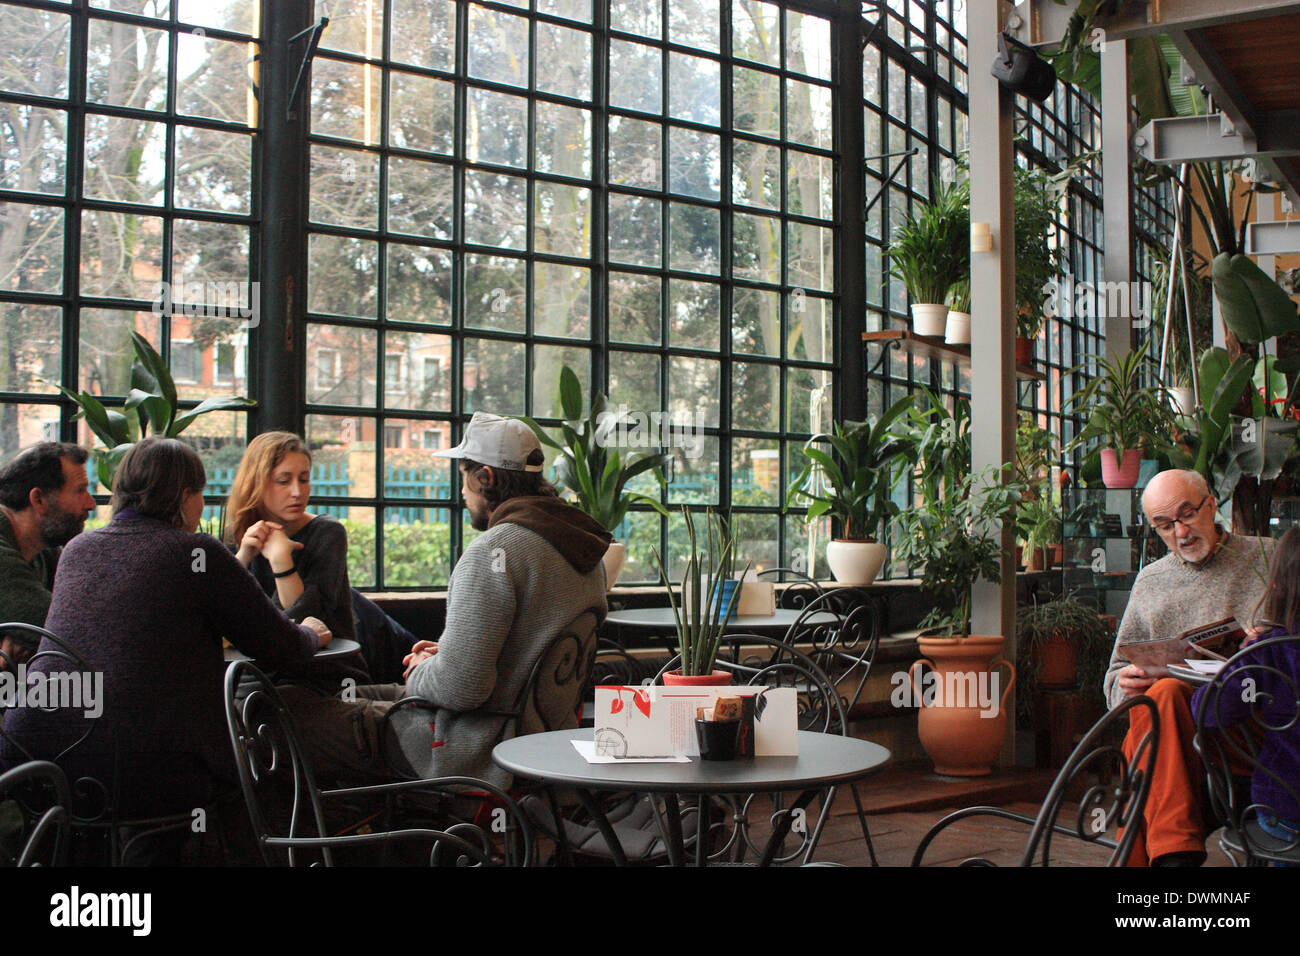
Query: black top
column 323, row 566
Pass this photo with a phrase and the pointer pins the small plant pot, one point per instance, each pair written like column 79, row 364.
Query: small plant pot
column 1184, row 400
column 855, row 562
column 957, row 331
column 1120, row 472
column 614, row 559
column 1056, row 555
column 1024, row 350
column 1057, row 663
column 929, row 319
column 718, row 739
column 716, row 679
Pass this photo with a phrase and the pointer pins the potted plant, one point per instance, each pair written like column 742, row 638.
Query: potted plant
column 153, row 399
column 931, row 251
column 1038, row 522
column 1052, row 638
column 1038, row 263
column 706, row 603
column 865, row 461
column 957, row 331
column 1123, row 415
column 591, row 466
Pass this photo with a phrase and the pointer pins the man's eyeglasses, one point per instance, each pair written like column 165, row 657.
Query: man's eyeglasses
column 1185, row 516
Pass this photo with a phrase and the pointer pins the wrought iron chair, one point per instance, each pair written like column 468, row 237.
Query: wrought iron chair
column 37, row 794
column 287, row 809
column 1256, row 692
column 801, row 591
column 845, row 648
column 1119, row 802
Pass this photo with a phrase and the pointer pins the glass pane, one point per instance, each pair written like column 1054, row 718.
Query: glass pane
column 126, row 159
column 694, row 23
column 635, row 230
column 341, row 365
column 561, row 300
column 121, row 254
column 498, row 46
column 411, row 469
column 342, row 465
column 342, row 276
column 756, row 174
column 694, row 314
column 23, row 425
column 636, row 16
column 548, row 360
column 569, row 9
column 233, row 15
column 495, row 209
column 105, row 352
column 634, row 308
column 756, row 248
column 356, row 26
column 417, row 372
column 126, row 66
column 31, row 344
column 634, row 380
column 809, row 253
column 756, row 102
column 756, row 32
column 562, row 220
column 213, row 170
column 31, row 248
column 345, row 100
column 635, row 77
column 495, row 293
column 33, row 149
column 635, row 149
column 423, row 33
column 812, row 330
column 640, row 532
column 497, row 129
column 493, row 377
column 418, row 284
column 808, row 114
column 417, row 541
column 421, row 113
column 344, row 187
column 693, row 88
column 693, row 238
column 214, row 255
column 755, row 321
column 563, row 140
column 695, row 479
column 34, row 45
column 756, row 396
column 694, row 163
column 807, row 399
column 567, row 57
column 808, row 45
column 420, row 198
column 216, row 79
column 757, row 543
column 810, row 188
column 693, row 389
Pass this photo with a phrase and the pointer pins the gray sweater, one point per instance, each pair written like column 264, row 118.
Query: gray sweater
column 510, row 594
column 1170, row 597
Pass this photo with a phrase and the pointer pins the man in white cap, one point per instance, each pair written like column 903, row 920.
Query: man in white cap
column 535, row 569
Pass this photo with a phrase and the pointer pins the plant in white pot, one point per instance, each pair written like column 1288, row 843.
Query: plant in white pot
column 930, row 252
column 957, row 331
column 593, row 468
column 860, row 472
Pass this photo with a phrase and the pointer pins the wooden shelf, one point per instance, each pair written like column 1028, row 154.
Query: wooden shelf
column 931, row 347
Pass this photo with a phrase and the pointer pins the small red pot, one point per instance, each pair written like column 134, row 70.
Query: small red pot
column 716, row 679
column 1024, row 350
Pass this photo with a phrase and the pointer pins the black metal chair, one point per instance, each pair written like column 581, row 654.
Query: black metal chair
column 800, row 589
column 845, row 647
column 1117, row 802
column 1252, row 698
column 287, row 809
column 34, row 795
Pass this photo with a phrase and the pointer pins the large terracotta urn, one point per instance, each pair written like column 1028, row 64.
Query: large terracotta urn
column 962, row 720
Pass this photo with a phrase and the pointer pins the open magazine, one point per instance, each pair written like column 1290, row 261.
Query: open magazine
column 1201, row 649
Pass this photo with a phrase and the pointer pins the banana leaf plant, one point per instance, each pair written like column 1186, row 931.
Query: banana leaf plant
column 155, row 405
column 590, row 463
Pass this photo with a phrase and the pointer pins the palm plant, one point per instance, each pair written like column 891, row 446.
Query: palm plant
column 1123, row 414
column 931, row 248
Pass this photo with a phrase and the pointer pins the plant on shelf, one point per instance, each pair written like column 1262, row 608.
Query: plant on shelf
column 591, row 466
column 860, row 470
column 1038, row 261
column 1038, row 523
column 958, row 329
column 1060, row 643
column 931, row 251
column 155, row 403
column 704, row 603
column 1037, row 451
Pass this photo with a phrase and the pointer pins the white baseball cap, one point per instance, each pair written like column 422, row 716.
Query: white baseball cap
column 496, row 441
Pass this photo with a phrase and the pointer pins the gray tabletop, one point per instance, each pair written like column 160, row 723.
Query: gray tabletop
column 661, row 618
column 823, row 759
column 339, row 647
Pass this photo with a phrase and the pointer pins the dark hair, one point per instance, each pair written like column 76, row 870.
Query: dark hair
column 509, row 483
column 40, row 466
column 154, row 476
column 1280, row 605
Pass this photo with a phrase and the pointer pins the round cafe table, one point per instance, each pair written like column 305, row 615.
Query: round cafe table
column 338, row 647
column 824, row 760
column 661, row 618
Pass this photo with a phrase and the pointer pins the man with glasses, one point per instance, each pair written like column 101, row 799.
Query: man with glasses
column 1209, row 574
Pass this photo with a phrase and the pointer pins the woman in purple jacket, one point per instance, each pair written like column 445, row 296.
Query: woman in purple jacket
column 146, row 601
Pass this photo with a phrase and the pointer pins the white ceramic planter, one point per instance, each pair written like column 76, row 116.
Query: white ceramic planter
column 855, row 562
column 614, row 559
column 957, row 331
column 1184, row 400
column 929, row 319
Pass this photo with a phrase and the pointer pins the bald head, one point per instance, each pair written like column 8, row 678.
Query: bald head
column 1175, row 482
column 1181, row 509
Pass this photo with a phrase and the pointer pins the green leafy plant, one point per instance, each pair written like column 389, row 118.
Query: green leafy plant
column 959, row 295
column 1038, row 522
column 941, row 443
column 155, row 405
column 867, row 460
column 1071, row 618
column 590, row 465
column 931, row 247
column 1122, row 413
column 1037, row 450
column 698, row 616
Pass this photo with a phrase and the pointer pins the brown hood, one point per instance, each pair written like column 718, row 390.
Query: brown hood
column 573, row 533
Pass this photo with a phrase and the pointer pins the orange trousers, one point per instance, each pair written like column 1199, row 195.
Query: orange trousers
column 1173, row 820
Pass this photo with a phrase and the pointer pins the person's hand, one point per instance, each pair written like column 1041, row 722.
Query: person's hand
column 420, row 652
column 323, row 633
column 1133, row 680
column 1252, row 635
column 279, row 548
column 254, row 540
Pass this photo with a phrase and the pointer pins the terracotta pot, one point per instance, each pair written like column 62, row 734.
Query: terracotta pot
column 716, row 679
column 929, row 319
column 1121, row 473
column 614, row 559
column 1056, row 556
column 1038, row 559
column 1057, row 661
column 855, row 562
column 1024, row 350
column 963, row 717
